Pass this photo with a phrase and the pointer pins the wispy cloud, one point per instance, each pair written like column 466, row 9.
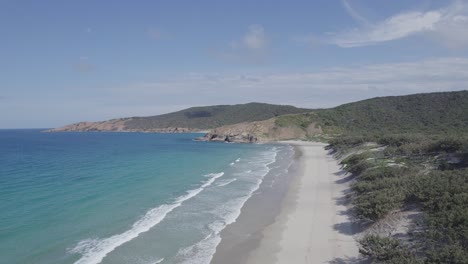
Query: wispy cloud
column 325, row 88
column 255, row 38
column 84, row 65
column 312, row 89
column 156, row 34
column 448, row 25
column 353, row 13
column 252, row 47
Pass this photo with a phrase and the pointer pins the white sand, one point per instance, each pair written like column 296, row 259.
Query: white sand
column 313, row 226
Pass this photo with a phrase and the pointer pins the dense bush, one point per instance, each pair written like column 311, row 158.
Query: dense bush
column 435, row 113
column 375, row 205
column 357, row 163
column 386, row 250
column 208, row 117
column 345, row 142
column 300, row 120
column 453, row 253
column 444, row 195
column 428, row 177
column 426, row 140
column 379, row 188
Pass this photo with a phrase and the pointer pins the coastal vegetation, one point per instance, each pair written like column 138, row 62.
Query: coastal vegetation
column 423, row 164
column 418, row 114
column 432, row 176
column 207, row 117
column 190, row 120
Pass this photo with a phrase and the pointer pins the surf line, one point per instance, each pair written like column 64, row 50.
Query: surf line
column 93, row 251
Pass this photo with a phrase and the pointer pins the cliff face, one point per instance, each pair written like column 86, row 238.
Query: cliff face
column 259, row 131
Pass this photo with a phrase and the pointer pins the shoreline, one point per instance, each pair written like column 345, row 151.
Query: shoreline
column 259, row 211
column 307, row 218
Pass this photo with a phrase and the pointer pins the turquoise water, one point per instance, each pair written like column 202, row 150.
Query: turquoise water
column 122, row 197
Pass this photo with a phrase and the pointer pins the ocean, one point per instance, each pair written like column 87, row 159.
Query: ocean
column 140, row 198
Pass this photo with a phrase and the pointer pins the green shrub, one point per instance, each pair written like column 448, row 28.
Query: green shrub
column 444, row 196
column 454, row 253
column 375, row 205
column 386, row 250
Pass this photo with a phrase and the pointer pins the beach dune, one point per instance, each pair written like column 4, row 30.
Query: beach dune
column 314, row 224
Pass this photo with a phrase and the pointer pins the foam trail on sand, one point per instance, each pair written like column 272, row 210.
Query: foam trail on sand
column 93, row 251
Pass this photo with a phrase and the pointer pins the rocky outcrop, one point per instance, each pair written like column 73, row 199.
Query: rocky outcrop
column 247, row 132
column 259, row 131
column 230, row 138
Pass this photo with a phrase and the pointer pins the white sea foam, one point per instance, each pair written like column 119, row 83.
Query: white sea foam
column 204, row 250
column 159, row 261
column 94, row 250
column 226, row 182
column 237, row 160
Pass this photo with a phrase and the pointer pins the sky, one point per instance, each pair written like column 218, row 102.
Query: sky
column 63, row 62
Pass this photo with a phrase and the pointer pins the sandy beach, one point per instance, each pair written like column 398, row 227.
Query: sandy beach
column 316, row 227
column 312, row 224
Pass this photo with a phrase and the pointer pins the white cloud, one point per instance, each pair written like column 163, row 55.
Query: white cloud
column 255, row 38
column 157, row 34
column 316, row 89
column 354, row 14
column 251, row 48
column 313, row 89
column 447, row 25
column 452, row 30
column 84, row 65
column 154, row 34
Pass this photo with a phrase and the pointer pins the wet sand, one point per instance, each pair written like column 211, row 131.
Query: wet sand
column 304, row 219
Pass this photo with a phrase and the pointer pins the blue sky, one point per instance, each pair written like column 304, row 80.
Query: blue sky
column 69, row 61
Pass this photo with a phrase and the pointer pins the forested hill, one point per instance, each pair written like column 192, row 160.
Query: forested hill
column 191, row 119
column 431, row 112
column 214, row 116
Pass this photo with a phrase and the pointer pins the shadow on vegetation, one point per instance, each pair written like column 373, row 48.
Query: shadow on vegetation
column 343, row 200
column 345, row 179
column 351, row 260
column 348, row 228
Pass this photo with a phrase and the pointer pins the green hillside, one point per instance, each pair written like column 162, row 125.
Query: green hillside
column 207, row 117
column 407, row 153
column 435, row 113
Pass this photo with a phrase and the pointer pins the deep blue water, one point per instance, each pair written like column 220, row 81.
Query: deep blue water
column 121, row 197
